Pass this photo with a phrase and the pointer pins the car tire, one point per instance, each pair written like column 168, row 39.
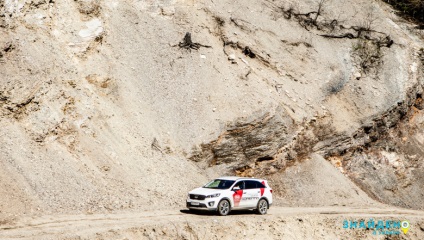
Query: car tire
column 262, row 207
column 224, row 207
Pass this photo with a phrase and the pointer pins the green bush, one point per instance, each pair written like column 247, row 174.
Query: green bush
column 412, row 9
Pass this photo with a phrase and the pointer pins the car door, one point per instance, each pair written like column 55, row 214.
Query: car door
column 238, row 194
column 250, row 194
column 243, row 196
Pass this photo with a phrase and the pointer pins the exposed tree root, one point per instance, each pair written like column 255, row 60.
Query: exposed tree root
column 188, row 44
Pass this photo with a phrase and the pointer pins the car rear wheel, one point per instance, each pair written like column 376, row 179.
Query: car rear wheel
column 262, row 207
column 224, row 207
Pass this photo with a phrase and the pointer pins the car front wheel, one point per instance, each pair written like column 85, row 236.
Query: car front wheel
column 262, row 207
column 224, row 207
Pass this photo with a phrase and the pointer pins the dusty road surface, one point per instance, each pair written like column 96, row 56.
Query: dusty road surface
column 279, row 223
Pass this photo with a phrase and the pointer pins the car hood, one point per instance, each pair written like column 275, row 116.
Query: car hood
column 206, row 191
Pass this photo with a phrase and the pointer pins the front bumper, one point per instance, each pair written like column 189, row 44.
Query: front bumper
column 208, row 205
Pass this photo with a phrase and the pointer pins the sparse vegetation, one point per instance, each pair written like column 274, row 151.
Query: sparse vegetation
column 367, row 23
column 369, row 40
column 369, row 54
column 411, row 9
column 307, row 20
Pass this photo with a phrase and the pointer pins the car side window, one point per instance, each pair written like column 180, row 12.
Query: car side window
column 240, row 185
column 254, row 184
column 250, row 184
column 260, row 185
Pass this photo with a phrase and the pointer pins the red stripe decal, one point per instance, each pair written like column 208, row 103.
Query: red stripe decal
column 263, row 189
column 237, row 197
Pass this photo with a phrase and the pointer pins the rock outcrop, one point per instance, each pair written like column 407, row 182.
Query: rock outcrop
column 100, row 109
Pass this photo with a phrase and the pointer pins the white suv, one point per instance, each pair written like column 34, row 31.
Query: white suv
column 231, row 193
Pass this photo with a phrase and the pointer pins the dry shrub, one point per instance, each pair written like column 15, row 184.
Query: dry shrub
column 368, row 53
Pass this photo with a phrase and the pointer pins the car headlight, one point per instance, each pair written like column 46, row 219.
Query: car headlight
column 213, row 195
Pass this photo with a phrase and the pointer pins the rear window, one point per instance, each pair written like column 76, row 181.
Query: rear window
column 219, row 184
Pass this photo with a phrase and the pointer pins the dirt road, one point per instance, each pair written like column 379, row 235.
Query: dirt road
column 280, row 222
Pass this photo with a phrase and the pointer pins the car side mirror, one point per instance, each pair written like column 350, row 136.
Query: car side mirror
column 236, row 188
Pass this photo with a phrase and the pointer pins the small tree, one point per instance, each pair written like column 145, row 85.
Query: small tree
column 368, row 22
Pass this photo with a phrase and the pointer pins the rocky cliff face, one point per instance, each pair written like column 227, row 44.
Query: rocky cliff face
column 101, row 108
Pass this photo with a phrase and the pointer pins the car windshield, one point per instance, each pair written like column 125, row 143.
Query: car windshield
column 219, row 184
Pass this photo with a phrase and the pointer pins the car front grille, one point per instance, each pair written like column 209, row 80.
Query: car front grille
column 197, row 197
